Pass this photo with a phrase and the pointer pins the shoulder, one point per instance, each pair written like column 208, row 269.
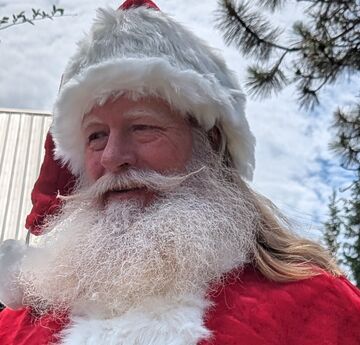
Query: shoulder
column 323, row 290
column 320, row 309
column 20, row 327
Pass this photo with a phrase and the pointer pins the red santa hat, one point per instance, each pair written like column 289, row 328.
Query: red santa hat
column 142, row 51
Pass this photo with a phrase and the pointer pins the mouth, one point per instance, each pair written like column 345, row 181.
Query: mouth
column 136, row 193
column 126, row 190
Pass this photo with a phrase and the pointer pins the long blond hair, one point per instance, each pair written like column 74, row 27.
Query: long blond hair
column 280, row 254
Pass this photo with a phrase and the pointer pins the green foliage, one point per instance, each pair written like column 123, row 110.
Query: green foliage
column 22, row 17
column 272, row 4
column 352, row 232
column 250, row 32
column 313, row 54
column 333, row 227
column 347, row 145
column 263, row 82
column 347, row 141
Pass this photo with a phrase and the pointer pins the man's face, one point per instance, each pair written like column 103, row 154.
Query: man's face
column 174, row 246
column 145, row 134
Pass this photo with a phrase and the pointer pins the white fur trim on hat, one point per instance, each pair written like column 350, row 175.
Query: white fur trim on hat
column 146, row 52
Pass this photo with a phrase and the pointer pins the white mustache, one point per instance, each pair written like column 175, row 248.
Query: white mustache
column 131, row 179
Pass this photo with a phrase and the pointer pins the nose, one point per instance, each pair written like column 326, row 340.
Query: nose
column 118, row 154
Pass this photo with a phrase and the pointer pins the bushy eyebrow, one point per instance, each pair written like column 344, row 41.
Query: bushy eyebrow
column 143, row 111
column 91, row 120
column 134, row 112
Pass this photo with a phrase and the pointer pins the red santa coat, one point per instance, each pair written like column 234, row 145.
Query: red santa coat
column 248, row 310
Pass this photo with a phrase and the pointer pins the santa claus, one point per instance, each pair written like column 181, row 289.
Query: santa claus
column 157, row 239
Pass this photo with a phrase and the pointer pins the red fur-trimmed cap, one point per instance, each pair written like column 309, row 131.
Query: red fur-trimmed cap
column 54, row 178
column 143, row 51
column 137, row 3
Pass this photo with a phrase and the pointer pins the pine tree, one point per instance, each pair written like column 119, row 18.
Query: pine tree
column 316, row 54
column 332, row 228
column 352, row 232
column 319, row 50
column 347, row 146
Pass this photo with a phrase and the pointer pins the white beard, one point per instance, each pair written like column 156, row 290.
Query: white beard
column 105, row 261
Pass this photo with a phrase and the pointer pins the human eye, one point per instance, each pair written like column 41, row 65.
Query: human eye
column 97, row 140
column 145, row 133
column 144, row 127
column 96, row 136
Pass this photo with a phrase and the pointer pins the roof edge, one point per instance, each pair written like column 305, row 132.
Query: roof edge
column 25, row 111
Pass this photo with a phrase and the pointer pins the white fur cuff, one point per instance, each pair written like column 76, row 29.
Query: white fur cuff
column 11, row 255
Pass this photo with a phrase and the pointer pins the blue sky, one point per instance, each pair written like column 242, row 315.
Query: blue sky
column 294, row 166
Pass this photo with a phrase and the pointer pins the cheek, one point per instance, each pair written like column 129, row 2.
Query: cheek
column 93, row 167
column 168, row 154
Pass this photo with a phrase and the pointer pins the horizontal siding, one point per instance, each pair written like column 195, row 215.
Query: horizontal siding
column 22, row 138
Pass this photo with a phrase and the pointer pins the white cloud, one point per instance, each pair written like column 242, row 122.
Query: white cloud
column 293, row 166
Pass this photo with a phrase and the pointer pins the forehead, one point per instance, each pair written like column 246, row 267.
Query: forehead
column 124, row 108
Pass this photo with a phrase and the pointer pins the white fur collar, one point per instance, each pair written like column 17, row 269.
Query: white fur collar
column 159, row 321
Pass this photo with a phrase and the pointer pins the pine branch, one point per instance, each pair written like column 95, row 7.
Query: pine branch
column 323, row 49
column 347, row 142
column 264, row 82
column 307, row 96
column 352, row 232
column 272, row 4
column 248, row 31
column 333, row 227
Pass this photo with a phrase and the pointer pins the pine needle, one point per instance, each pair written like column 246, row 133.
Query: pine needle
column 263, row 83
column 247, row 30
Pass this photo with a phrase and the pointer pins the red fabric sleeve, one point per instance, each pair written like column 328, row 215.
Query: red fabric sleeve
column 19, row 327
column 323, row 310
column 254, row 311
column 53, row 179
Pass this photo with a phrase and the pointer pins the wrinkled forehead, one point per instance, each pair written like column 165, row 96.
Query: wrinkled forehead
column 125, row 108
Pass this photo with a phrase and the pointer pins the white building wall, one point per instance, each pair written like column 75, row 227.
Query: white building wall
column 22, row 138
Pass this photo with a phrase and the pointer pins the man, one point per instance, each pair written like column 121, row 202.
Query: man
column 160, row 240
